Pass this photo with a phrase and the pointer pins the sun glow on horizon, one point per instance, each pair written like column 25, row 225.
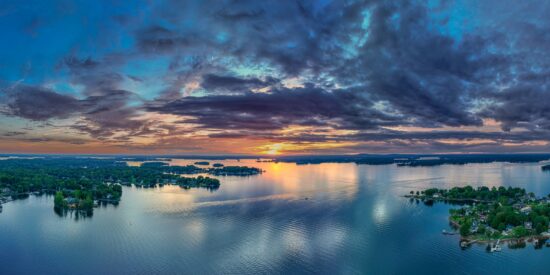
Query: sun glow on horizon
column 274, row 149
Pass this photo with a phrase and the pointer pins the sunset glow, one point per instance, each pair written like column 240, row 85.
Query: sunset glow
column 273, row 78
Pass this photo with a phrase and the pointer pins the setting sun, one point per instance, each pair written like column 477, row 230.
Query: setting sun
column 274, row 149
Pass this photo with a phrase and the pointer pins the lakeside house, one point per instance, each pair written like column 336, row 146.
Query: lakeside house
column 525, row 210
column 72, row 202
column 474, row 227
column 508, row 230
column 483, row 218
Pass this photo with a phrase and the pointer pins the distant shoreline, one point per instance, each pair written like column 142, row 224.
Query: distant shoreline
column 407, row 160
column 417, row 160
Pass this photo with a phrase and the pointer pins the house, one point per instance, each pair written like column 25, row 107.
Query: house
column 528, row 225
column 525, row 210
column 519, row 206
column 72, row 202
column 483, row 218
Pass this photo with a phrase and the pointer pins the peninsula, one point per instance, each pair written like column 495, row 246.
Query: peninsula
column 491, row 214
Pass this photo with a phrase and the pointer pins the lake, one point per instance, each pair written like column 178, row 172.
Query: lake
column 324, row 218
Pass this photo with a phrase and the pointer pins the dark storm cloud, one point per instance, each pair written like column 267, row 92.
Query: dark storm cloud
column 420, row 75
column 36, row 103
column 107, row 114
column 275, row 110
column 373, row 64
column 521, row 106
column 420, row 72
column 401, row 59
column 522, row 95
column 107, row 109
column 214, row 82
column 100, row 115
column 292, row 35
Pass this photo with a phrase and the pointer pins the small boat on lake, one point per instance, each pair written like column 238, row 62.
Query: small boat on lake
column 496, row 247
column 445, row 232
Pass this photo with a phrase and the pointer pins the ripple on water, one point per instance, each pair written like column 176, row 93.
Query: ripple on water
column 334, row 218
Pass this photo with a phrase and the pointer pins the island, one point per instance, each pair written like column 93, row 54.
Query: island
column 202, row 163
column 82, row 183
column 493, row 214
column 217, row 165
column 198, row 182
column 84, row 200
column 234, row 171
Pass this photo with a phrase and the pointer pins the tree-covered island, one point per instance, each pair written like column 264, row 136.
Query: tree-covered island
column 491, row 214
column 200, row 181
column 234, row 171
column 80, row 183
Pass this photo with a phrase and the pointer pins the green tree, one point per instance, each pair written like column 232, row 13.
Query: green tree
column 87, row 203
column 59, row 200
column 481, row 229
column 520, row 231
column 465, row 228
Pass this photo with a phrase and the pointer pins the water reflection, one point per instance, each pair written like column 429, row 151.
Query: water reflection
column 72, row 213
column 328, row 218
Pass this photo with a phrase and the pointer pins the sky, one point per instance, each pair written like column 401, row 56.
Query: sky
column 274, row 77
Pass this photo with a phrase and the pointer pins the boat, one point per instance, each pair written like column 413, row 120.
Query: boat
column 496, row 247
column 445, row 232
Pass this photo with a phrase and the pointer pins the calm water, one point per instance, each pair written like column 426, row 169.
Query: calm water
column 327, row 218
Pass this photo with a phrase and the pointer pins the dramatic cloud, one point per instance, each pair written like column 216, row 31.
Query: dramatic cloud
column 37, row 103
column 317, row 76
column 214, row 82
column 279, row 108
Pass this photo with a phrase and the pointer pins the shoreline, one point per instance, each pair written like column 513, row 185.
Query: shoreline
column 472, row 238
column 425, row 198
column 503, row 240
